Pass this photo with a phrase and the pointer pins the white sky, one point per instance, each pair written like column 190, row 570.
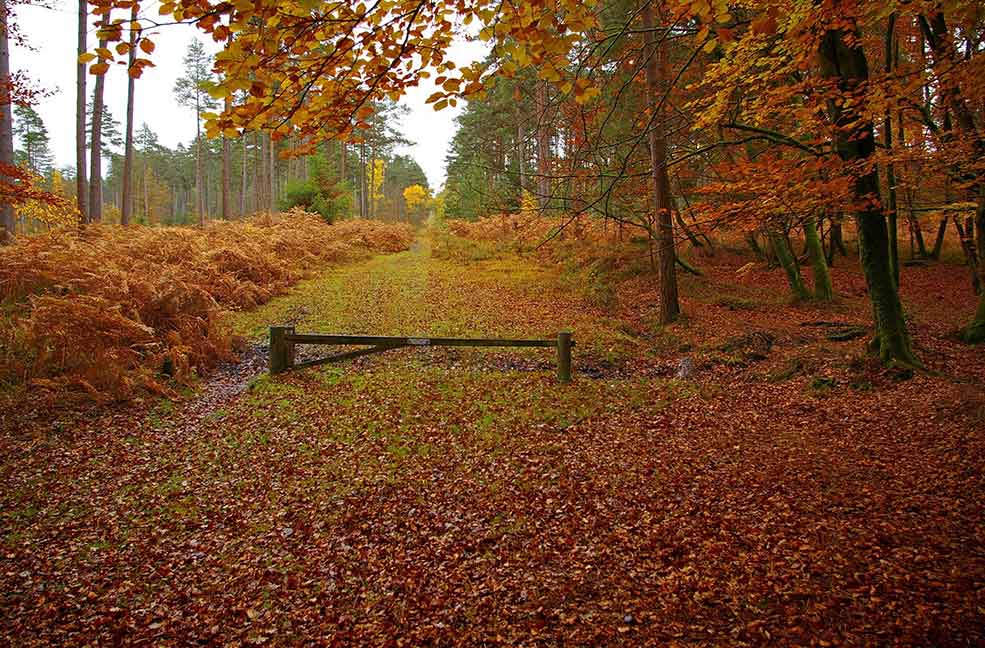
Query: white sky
column 52, row 33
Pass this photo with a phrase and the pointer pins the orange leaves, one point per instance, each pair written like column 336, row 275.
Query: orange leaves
column 158, row 295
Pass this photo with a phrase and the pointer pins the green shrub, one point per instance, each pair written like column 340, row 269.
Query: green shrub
column 299, row 193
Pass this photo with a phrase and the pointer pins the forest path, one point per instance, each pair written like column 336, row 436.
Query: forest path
column 463, row 497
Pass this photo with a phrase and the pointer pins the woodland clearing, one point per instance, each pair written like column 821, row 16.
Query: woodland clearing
column 787, row 491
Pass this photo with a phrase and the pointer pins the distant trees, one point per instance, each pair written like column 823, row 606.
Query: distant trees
column 191, row 91
column 30, row 131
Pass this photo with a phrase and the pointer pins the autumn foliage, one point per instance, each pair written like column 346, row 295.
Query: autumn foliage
column 105, row 313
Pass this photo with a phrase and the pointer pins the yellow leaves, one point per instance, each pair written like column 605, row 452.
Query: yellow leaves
column 122, row 48
column 218, row 91
column 87, row 57
column 104, row 53
column 710, row 46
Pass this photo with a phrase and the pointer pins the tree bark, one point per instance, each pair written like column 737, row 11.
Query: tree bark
column 890, row 167
column 543, row 148
column 96, row 148
column 81, row 186
column 272, row 177
column 781, row 248
column 855, row 141
column 656, row 80
column 226, row 172
column 242, row 186
column 822, row 278
column 7, row 216
column 127, row 198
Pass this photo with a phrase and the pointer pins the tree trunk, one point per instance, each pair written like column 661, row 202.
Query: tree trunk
column 96, row 148
column 970, row 253
column 242, row 186
column 855, row 141
column 272, row 177
column 147, row 216
column 7, row 218
column 656, row 80
column 372, row 183
column 890, row 167
column 543, row 148
column 81, row 186
column 362, row 181
column 975, row 331
column 781, row 248
column 227, row 206
column 127, row 199
column 258, row 172
column 822, row 278
column 342, row 156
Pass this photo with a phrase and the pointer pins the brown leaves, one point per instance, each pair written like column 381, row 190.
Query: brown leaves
column 110, row 311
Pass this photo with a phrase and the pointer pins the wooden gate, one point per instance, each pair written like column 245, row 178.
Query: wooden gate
column 283, row 341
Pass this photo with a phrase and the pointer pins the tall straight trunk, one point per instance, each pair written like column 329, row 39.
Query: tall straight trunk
column 372, row 183
column 96, row 148
column 81, row 186
column 147, row 216
column 519, row 149
column 656, row 85
column 226, row 172
column 272, row 174
column 939, row 240
column 891, row 52
column 543, row 148
column 342, row 156
column 199, row 181
column 8, row 221
column 127, row 199
column 258, row 157
column 855, row 141
column 242, row 186
column 822, row 278
column 362, row 181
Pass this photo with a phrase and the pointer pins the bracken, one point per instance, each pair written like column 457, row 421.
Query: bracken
column 106, row 313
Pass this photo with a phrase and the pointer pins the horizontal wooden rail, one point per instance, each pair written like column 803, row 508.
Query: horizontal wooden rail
column 283, row 340
column 413, row 341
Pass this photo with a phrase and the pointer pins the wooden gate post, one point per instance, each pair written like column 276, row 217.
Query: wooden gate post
column 564, row 357
column 281, row 351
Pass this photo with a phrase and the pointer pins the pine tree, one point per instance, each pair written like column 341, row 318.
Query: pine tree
column 190, row 91
column 30, row 130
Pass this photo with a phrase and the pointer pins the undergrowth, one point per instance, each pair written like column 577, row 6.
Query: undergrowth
column 593, row 256
column 104, row 313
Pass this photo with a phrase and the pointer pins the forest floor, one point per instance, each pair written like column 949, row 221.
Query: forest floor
column 735, row 479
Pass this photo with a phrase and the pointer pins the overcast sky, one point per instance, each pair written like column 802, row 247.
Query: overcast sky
column 51, row 64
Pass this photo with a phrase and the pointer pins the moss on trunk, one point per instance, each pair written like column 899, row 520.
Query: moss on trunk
column 781, row 247
column 975, row 332
column 843, row 60
column 822, row 278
